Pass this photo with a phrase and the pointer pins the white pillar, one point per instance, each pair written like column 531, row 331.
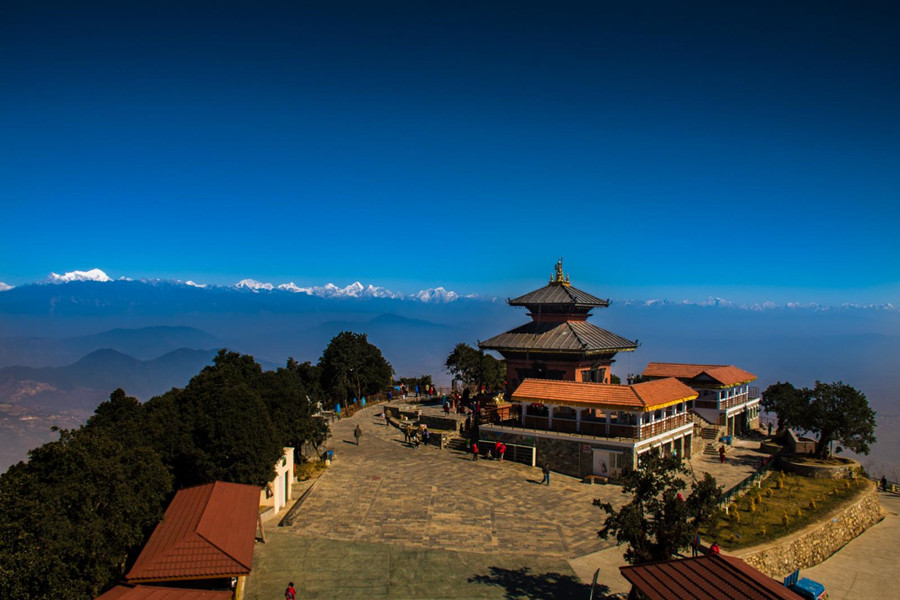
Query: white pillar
column 607, row 422
column 549, row 416
column 578, row 420
column 525, row 406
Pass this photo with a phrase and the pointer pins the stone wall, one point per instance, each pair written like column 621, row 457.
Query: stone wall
column 816, row 470
column 568, row 456
column 816, row 542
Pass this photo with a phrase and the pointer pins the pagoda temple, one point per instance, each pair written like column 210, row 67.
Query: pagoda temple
column 558, row 343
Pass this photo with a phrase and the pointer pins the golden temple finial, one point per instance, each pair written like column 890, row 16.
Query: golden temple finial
column 558, row 278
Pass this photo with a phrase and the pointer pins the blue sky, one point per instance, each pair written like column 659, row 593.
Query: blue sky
column 748, row 151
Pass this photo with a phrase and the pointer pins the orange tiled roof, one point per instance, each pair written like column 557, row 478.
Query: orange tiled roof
column 147, row 592
column 643, row 396
column 208, row 531
column 726, row 375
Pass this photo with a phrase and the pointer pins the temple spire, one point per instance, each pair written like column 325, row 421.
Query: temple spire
column 557, row 278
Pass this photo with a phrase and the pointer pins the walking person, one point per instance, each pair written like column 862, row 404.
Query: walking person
column 290, row 593
column 546, row 471
column 357, row 433
column 474, row 451
column 721, row 454
column 695, row 545
column 502, row 450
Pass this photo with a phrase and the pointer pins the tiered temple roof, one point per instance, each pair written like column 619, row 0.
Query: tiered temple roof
column 566, row 337
column 559, row 324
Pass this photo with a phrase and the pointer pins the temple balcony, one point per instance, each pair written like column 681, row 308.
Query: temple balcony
column 750, row 394
column 597, row 428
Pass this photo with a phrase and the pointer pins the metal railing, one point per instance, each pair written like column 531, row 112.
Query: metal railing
column 754, row 479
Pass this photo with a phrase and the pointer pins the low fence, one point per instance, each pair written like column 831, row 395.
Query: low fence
column 521, row 453
column 754, row 479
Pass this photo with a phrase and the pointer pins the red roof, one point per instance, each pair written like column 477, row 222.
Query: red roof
column 643, row 396
column 710, row 577
column 208, row 531
column 148, row 592
column 726, row 375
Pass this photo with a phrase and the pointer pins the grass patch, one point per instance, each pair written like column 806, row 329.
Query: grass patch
column 784, row 503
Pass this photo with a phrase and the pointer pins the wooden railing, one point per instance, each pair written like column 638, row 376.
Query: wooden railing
column 599, row 428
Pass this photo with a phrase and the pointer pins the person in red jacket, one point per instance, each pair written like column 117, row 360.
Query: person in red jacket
column 474, row 451
column 290, row 593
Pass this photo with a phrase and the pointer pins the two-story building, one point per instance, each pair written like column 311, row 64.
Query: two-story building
column 724, row 396
column 596, row 428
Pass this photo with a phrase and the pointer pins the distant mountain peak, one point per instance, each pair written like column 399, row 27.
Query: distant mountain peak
column 92, row 275
column 253, row 285
column 438, row 294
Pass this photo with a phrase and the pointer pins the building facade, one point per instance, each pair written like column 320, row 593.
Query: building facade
column 724, row 396
column 584, row 428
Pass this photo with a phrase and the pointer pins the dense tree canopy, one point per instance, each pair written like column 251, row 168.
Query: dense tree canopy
column 787, row 402
column 353, row 368
column 76, row 514
column 474, row 367
column 833, row 412
column 656, row 524
column 840, row 413
column 71, row 516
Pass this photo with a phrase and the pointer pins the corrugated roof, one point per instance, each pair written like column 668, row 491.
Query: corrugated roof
column 710, row 577
column 566, row 336
column 147, row 592
column 725, row 375
column 207, row 531
column 643, row 396
column 559, row 294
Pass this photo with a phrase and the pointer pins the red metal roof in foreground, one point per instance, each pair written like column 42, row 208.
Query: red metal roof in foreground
column 710, row 577
column 208, row 531
column 147, row 592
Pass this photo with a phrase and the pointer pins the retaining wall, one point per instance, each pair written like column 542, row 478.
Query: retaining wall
column 818, row 541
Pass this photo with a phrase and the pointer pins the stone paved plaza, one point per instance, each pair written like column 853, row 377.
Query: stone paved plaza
column 390, row 521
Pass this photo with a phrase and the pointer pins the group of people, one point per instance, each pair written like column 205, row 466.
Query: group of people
column 497, row 452
column 428, row 390
column 696, row 546
column 414, row 437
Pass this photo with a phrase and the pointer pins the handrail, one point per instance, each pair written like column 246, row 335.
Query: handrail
column 754, row 478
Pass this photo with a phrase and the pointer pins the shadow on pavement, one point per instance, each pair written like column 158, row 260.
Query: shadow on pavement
column 522, row 583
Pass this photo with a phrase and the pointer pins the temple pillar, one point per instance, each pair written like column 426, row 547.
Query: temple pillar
column 578, row 420
column 525, row 406
column 549, row 417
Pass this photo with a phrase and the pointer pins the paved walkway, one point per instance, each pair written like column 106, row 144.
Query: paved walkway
column 867, row 566
column 390, row 521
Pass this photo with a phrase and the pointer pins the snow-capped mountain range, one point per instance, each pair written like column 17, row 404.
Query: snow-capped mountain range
column 329, row 290
column 437, row 295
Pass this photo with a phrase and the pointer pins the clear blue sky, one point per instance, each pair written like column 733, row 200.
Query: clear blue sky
column 744, row 150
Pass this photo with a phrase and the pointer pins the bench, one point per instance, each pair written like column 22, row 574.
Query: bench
column 592, row 479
